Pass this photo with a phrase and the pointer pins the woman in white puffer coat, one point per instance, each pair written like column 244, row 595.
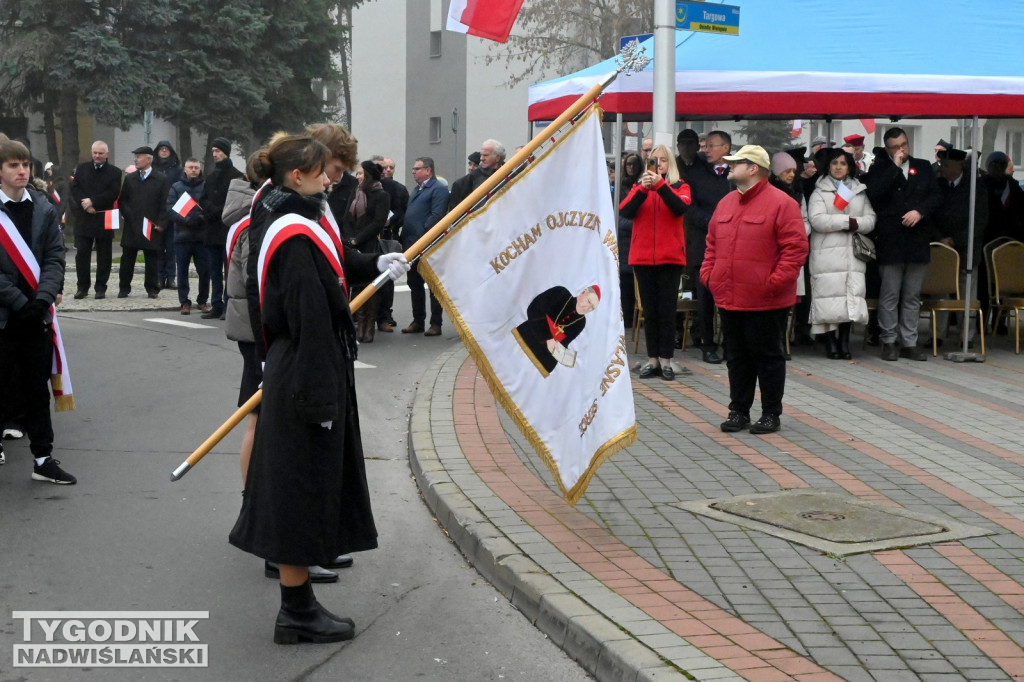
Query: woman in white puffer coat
column 837, row 277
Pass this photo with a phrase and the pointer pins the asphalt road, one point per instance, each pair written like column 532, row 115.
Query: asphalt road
column 126, row 538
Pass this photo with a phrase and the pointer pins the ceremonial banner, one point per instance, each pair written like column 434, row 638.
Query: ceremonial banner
column 490, row 19
column 531, row 283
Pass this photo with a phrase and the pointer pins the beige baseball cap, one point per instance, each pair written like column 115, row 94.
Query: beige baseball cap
column 751, row 153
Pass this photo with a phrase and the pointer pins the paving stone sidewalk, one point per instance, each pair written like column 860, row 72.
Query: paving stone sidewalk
column 636, row 587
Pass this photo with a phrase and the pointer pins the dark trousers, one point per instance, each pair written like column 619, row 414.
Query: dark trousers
column 26, row 355
column 83, row 260
column 215, row 258
column 192, row 251
column 706, row 318
column 628, row 296
column 127, row 271
column 418, row 299
column 386, row 296
column 659, row 295
column 755, row 354
column 166, row 262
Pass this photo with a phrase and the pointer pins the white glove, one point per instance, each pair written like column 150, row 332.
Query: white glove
column 327, row 425
column 394, row 264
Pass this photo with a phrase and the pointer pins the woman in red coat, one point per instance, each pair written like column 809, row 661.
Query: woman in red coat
column 657, row 253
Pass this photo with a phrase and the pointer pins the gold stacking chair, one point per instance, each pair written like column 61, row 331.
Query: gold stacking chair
column 1008, row 276
column 942, row 285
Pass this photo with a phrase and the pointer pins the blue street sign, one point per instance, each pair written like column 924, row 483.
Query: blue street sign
column 624, row 40
column 708, row 17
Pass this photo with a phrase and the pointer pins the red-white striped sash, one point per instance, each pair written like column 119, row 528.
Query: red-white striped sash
column 289, row 226
column 60, row 379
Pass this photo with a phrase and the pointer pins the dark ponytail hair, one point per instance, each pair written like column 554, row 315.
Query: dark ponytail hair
column 285, row 153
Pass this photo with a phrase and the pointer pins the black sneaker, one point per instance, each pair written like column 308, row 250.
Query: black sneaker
column 737, row 421
column 768, row 423
column 50, row 471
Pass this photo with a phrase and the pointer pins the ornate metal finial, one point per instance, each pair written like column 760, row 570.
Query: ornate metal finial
column 631, row 58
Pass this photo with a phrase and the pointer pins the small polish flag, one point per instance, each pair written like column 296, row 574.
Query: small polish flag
column 184, row 205
column 844, row 195
column 490, row 19
column 112, row 218
column 798, row 127
column 147, row 228
column 869, row 124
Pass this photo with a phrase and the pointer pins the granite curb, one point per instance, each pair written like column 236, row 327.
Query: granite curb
column 465, row 509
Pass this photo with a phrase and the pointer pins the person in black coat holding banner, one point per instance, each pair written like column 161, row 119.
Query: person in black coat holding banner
column 94, row 189
column 306, row 497
column 143, row 197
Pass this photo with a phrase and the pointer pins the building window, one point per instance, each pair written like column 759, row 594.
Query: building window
column 435, row 130
column 1015, row 147
column 435, row 43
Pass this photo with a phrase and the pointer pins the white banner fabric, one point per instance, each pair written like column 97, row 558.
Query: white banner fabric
column 520, row 279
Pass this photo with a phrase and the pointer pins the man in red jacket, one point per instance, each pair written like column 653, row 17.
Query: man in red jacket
column 756, row 244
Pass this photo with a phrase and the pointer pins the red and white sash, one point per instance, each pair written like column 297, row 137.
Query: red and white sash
column 60, row 380
column 112, row 218
column 285, row 228
column 234, row 232
column 330, row 224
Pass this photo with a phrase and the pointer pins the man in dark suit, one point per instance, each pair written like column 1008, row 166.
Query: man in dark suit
column 709, row 183
column 492, row 156
column 427, row 205
column 952, row 225
column 94, row 189
column 905, row 196
column 143, row 205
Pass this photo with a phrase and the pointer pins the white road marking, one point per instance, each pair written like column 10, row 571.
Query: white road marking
column 180, row 323
column 359, row 364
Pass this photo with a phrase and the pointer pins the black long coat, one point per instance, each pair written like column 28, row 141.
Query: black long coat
column 363, row 232
column 102, row 187
column 306, row 497
column 143, row 198
column 892, row 196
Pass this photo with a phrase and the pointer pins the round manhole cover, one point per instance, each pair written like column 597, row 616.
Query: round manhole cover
column 822, row 516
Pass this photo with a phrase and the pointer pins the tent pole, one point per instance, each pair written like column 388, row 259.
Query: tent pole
column 964, row 355
column 664, row 110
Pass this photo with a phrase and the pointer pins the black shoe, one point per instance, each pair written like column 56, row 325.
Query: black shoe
column 302, row 619
column 649, row 370
column 317, row 574
column 213, row 314
column 667, row 373
column 170, row 284
column 831, row 346
column 101, row 294
column 712, row 357
column 890, row 352
column 123, row 293
column 737, row 421
column 153, row 294
column 50, row 471
column 768, row 423
column 81, row 293
column 340, row 561
column 914, row 353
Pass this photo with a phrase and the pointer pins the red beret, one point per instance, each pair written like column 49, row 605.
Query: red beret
column 855, row 140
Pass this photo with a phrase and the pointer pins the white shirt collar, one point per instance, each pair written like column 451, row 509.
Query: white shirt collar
column 27, row 196
column 145, row 173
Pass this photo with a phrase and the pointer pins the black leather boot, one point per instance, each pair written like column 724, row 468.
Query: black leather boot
column 844, row 340
column 831, row 346
column 302, row 619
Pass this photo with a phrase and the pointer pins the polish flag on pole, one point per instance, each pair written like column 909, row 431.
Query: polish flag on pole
column 490, row 19
column 844, row 195
column 112, row 218
column 798, row 127
column 184, row 205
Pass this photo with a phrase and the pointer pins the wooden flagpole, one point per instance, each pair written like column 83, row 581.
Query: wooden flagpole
column 630, row 59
